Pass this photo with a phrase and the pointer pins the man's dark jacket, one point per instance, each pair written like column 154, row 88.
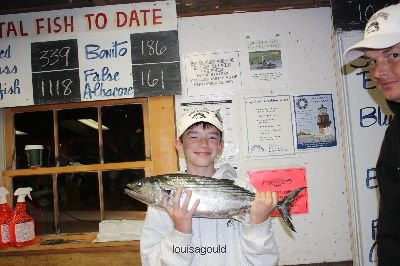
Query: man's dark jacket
column 388, row 174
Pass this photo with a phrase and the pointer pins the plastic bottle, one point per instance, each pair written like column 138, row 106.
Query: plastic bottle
column 5, row 219
column 22, row 226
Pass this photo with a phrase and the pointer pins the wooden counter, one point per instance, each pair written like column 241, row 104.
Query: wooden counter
column 81, row 252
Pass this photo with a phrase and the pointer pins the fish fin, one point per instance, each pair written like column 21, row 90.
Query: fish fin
column 285, row 205
column 225, row 171
column 240, row 217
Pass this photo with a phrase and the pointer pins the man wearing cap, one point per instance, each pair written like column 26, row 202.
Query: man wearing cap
column 381, row 48
column 174, row 237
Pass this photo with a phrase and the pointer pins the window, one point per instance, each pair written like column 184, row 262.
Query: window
column 91, row 150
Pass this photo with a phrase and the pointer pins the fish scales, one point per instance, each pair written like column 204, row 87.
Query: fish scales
column 219, row 198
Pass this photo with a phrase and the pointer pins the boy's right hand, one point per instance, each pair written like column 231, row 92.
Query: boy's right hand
column 180, row 215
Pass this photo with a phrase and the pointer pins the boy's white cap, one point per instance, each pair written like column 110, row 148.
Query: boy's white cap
column 196, row 116
column 382, row 31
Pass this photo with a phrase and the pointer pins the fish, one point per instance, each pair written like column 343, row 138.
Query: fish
column 219, row 198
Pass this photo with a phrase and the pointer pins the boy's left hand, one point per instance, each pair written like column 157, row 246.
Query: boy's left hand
column 263, row 205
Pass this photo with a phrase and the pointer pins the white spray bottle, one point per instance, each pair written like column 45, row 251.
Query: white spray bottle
column 22, row 227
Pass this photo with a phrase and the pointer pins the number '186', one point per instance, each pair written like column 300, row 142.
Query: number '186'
column 152, row 48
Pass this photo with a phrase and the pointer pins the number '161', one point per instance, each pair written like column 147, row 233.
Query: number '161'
column 152, row 82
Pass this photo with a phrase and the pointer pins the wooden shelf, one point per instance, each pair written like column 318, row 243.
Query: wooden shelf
column 77, row 168
column 84, row 252
column 85, row 245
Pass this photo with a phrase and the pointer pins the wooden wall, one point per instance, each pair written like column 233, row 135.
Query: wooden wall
column 184, row 8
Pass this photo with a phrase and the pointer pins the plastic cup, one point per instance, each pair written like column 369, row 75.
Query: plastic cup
column 34, row 155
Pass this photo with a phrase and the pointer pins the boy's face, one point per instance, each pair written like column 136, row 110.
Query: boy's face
column 385, row 70
column 200, row 145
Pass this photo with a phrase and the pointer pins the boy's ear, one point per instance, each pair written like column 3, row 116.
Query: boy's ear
column 178, row 145
column 221, row 146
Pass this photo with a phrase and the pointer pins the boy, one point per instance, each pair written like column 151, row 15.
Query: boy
column 174, row 237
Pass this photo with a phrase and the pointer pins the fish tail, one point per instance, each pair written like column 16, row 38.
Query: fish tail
column 285, row 205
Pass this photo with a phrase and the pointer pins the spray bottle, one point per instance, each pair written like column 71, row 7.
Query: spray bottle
column 22, row 226
column 5, row 219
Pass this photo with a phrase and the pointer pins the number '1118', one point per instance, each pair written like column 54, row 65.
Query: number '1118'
column 57, row 87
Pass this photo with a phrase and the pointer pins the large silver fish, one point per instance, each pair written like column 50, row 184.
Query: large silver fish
column 219, row 198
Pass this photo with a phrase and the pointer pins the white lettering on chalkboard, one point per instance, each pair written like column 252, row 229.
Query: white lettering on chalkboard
column 55, row 89
column 151, row 47
column 52, row 57
column 151, row 82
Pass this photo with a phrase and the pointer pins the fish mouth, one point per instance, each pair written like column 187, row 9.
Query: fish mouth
column 134, row 194
column 130, row 187
column 130, row 192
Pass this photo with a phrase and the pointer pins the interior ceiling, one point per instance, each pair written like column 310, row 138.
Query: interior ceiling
column 184, row 7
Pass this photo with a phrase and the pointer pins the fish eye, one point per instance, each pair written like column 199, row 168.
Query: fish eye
column 139, row 184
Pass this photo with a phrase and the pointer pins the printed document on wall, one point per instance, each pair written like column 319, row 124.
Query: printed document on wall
column 282, row 181
column 315, row 121
column 262, row 60
column 212, row 73
column 269, row 130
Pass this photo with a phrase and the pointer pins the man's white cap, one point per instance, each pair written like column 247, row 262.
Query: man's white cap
column 382, row 31
column 196, row 116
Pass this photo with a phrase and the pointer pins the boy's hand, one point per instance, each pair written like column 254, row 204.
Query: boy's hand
column 263, row 205
column 180, row 215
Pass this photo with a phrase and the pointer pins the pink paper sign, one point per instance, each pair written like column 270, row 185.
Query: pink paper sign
column 282, row 181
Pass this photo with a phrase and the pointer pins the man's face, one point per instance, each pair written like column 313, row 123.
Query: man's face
column 385, row 70
column 201, row 145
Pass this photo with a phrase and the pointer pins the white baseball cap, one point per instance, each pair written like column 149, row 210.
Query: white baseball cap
column 196, row 116
column 382, row 31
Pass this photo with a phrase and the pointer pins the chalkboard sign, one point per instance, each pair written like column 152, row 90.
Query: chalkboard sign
column 155, row 47
column 156, row 79
column 55, row 72
column 353, row 14
column 155, row 63
column 89, row 54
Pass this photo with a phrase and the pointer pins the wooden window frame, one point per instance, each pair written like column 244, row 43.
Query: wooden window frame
column 159, row 130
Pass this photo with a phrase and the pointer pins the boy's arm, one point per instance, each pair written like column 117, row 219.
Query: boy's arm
column 258, row 244
column 160, row 243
